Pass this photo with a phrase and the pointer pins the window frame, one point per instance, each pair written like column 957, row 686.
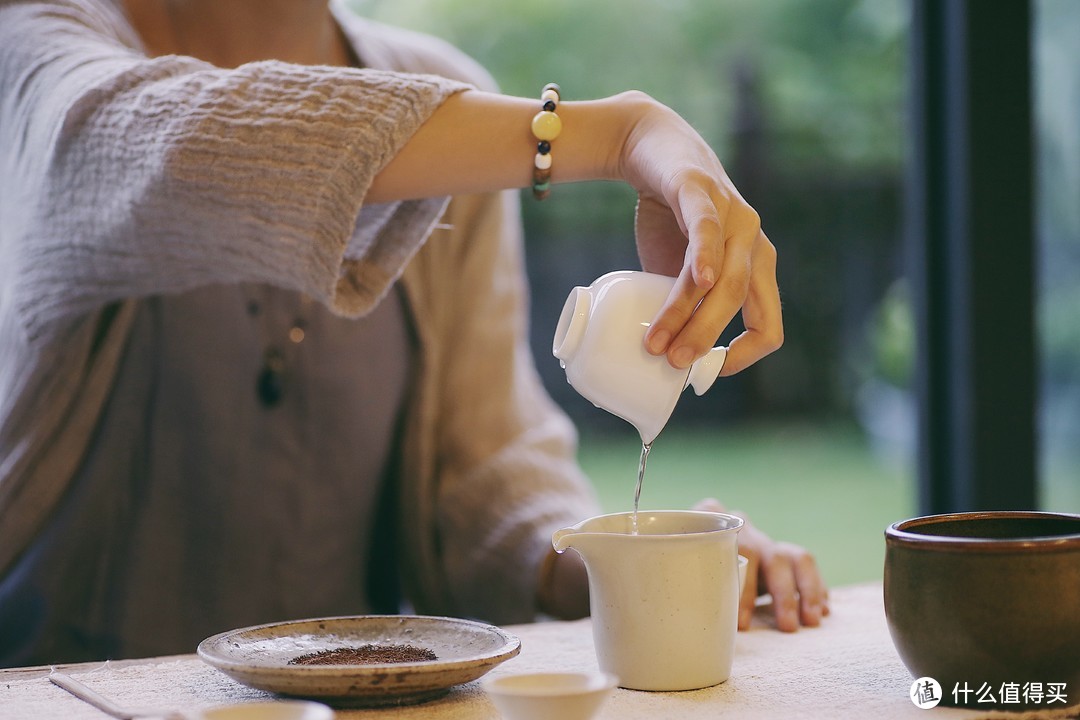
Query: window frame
column 971, row 238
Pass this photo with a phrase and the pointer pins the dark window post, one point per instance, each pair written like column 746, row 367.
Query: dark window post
column 971, row 236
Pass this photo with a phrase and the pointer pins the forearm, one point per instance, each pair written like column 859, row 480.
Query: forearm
column 480, row 142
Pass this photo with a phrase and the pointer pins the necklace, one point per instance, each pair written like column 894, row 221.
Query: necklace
column 272, row 379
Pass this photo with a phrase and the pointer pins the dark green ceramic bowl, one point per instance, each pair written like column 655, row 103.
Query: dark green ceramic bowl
column 988, row 604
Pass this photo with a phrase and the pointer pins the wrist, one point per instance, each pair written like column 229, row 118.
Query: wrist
column 597, row 134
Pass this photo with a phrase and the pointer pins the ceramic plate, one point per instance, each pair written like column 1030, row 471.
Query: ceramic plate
column 260, row 657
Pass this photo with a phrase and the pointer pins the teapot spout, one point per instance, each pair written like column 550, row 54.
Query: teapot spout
column 704, row 372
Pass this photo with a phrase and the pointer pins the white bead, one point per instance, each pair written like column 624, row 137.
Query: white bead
column 542, row 161
column 549, row 95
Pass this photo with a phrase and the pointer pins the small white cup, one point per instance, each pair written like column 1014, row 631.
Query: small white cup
column 549, row 696
column 270, row 710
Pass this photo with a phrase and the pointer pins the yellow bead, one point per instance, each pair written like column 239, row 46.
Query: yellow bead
column 546, row 125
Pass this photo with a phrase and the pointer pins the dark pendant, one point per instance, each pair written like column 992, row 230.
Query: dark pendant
column 270, row 385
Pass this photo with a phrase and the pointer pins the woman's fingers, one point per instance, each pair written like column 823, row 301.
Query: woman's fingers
column 786, row 571
column 691, row 223
column 702, row 219
column 667, row 334
column 748, row 597
column 799, row 594
column 762, row 314
column 714, row 309
column 719, row 277
column 813, row 597
column 779, row 576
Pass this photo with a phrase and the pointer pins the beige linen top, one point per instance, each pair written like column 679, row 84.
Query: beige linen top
column 125, row 178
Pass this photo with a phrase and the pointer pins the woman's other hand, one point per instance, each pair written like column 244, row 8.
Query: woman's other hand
column 786, row 571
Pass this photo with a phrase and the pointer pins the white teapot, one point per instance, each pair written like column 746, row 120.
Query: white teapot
column 600, row 342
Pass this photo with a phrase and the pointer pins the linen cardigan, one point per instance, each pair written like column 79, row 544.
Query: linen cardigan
column 122, row 173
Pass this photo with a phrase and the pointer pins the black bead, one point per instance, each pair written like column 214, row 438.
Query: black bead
column 270, row 384
column 543, row 147
column 549, row 106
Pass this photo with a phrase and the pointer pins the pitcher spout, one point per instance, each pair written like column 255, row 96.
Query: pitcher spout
column 586, row 542
column 561, row 540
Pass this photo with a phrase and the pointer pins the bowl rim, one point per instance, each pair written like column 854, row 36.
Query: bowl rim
column 903, row 533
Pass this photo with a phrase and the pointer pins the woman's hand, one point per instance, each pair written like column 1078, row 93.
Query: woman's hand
column 692, row 224
column 786, row 571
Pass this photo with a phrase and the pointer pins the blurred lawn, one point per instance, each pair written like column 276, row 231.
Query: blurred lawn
column 818, row 485
column 1060, row 490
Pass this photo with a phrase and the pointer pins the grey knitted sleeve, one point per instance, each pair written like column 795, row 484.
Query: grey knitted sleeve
column 125, row 176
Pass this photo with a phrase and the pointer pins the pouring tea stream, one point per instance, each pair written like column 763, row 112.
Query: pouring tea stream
column 663, row 588
column 600, row 342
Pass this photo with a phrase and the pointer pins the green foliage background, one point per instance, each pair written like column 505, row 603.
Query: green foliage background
column 831, row 69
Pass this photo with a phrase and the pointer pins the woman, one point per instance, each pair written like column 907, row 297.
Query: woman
column 253, row 367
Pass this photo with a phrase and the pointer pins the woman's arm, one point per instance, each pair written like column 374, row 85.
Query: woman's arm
column 480, row 141
column 140, row 176
column 691, row 221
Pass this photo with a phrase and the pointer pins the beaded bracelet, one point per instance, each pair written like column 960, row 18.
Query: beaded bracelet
column 546, row 126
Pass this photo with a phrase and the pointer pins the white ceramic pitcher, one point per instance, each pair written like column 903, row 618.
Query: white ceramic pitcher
column 600, row 339
column 664, row 595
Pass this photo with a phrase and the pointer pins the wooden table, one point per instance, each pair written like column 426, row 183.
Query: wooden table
column 847, row 668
